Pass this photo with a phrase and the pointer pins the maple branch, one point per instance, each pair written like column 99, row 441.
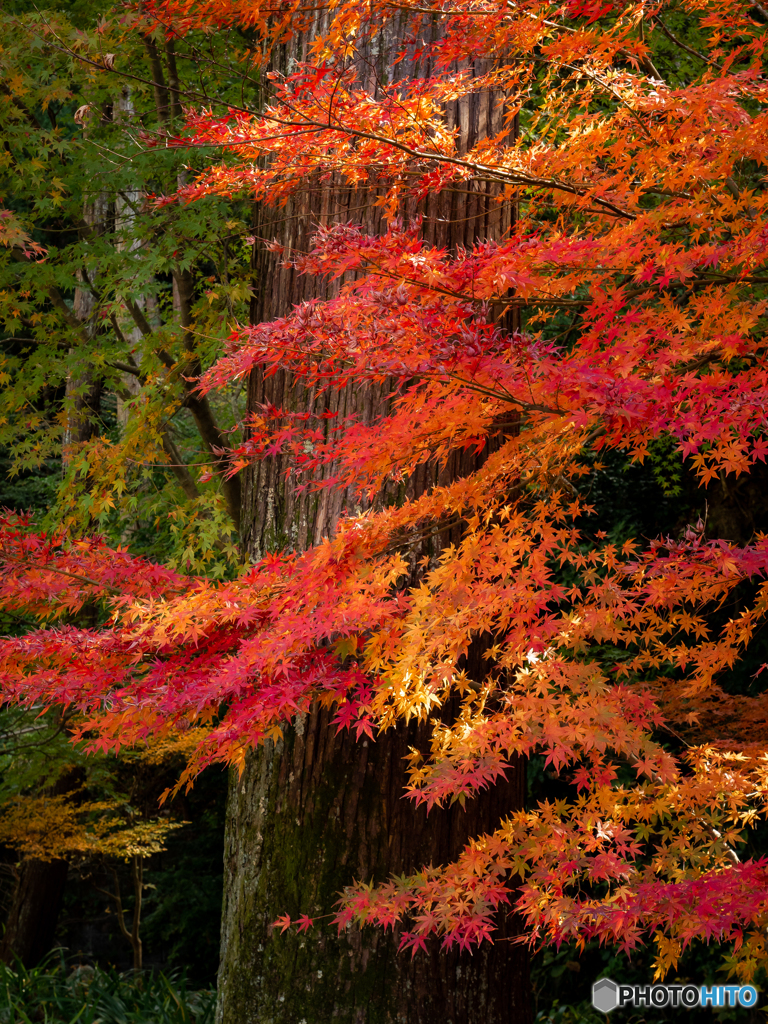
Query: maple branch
column 204, row 419
column 199, row 405
column 511, row 302
column 494, row 174
column 134, row 309
column 61, row 572
column 729, row 851
column 58, row 301
column 138, row 316
column 683, row 46
column 128, row 368
column 176, row 464
column 10, row 747
column 417, row 536
column 500, row 395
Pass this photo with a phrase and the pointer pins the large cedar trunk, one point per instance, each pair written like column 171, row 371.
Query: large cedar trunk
column 34, row 913
column 319, row 810
column 309, row 815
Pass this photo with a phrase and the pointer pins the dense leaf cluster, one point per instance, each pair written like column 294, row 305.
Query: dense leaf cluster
column 640, row 214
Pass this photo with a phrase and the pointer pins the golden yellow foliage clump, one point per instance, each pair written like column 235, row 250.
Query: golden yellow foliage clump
column 54, row 827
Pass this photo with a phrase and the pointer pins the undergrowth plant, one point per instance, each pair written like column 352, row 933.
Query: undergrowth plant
column 58, row 992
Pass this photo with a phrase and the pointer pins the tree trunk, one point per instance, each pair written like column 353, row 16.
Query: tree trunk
column 34, row 913
column 309, row 815
column 318, row 810
column 83, row 388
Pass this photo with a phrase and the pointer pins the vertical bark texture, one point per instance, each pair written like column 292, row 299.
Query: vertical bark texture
column 310, row 814
column 318, row 810
column 31, row 924
column 273, row 515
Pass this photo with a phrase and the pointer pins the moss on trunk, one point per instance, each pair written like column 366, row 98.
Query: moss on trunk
column 308, row 816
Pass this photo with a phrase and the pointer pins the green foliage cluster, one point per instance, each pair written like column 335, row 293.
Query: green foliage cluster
column 59, row 993
column 667, row 465
column 34, row 750
column 97, row 345
column 96, row 429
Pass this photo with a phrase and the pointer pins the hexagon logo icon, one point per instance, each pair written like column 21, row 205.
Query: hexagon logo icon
column 605, row 995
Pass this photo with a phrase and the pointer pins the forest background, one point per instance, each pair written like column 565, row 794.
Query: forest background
column 81, row 824
column 97, row 439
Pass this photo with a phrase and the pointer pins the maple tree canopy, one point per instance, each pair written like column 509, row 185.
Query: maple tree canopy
column 641, row 213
